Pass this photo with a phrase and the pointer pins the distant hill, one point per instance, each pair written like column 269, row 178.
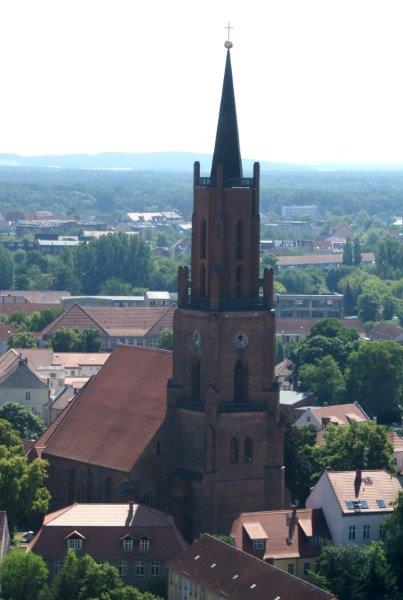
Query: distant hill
column 151, row 161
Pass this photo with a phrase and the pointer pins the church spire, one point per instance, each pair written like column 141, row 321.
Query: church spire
column 227, row 150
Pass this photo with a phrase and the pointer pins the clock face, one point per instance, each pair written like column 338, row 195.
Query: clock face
column 196, row 338
column 241, row 340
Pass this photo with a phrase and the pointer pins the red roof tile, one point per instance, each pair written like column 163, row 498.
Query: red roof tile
column 113, row 418
column 231, row 573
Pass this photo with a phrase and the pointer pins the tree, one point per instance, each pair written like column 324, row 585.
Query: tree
column 22, row 491
column 116, row 287
column 42, row 318
column 375, row 379
column 335, row 275
column 325, row 379
column 349, row 301
column 66, row 339
column 390, row 306
column 394, row 540
column 91, row 340
column 359, row 572
column 19, row 318
column 357, row 257
column 6, row 269
column 21, row 339
column 389, row 258
column 165, row 340
column 27, row 424
column 23, row 576
column 298, row 444
column 368, row 305
column 348, row 253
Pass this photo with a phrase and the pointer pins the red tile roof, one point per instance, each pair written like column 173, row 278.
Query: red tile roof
column 117, row 413
column 286, row 534
column 231, row 573
column 384, row 331
column 115, row 321
column 6, row 330
column 304, row 326
column 37, row 296
column 341, row 413
column 103, row 526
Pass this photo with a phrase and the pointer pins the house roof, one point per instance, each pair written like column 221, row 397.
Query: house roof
column 369, row 486
column 384, row 331
column 73, row 360
column 304, row 326
column 37, row 357
column 283, row 368
column 62, row 399
column 26, row 307
column 103, row 526
column 113, row 320
column 319, row 259
column 341, row 413
column 112, row 419
column 15, row 372
column 231, row 573
column 286, row 532
column 37, row 296
column 6, row 331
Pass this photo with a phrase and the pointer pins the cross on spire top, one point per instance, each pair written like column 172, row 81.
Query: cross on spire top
column 228, row 44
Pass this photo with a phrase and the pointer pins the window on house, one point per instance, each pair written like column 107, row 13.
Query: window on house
column 75, row 543
column 140, row 568
column 366, row 532
column 122, row 568
column 234, row 450
column 73, row 373
column 307, row 566
column 290, row 568
column 259, row 544
column 351, row 533
column 382, row 531
column 308, row 419
column 58, row 566
column 248, row 450
column 27, row 396
column 127, row 544
column 144, row 544
column 154, row 568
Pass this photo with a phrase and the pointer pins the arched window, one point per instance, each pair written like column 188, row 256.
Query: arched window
column 234, row 450
column 195, row 380
column 238, row 282
column 203, row 240
column 248, row 450
column 241, row 382
column 238, row 241
column 202, row 281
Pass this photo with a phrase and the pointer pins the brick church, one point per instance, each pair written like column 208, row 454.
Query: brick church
column 196, row 431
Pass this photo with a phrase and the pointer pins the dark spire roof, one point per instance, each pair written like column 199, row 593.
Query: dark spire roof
column 227, row 150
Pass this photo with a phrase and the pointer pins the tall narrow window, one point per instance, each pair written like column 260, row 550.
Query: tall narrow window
column 238, row 282
column 195, row 380
column 234, row 450
column 203, row 240
column 241, row 382
column 248, row 449
column 238, row 241
column 202, row 281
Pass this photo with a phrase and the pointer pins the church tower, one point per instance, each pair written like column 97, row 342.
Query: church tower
column 225, row 440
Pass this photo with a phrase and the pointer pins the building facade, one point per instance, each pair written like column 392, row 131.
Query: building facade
column 309, row 306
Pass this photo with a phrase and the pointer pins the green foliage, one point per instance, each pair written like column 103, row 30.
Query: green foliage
column 42, row 318
column 375, row 379
column 389, row 258
column 6, row 269
column 19, row 318
column 227, row 539
column 116, row 287
column 394, row 540
column 165, row 340
column 26, row 423
column 359, row 572
column 350, row 302
column 325, row 379
column 269, row 261
column 82, row 578
column 298, row 281
column 23, row 576
column 344, row 448
column 71, row 339
column 22, row 491
column 348, row 253
column 357, row 257
column 369, row 306
column 21, row 339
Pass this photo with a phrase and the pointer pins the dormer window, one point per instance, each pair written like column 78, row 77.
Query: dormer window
column 75, row 540
column 127, row 544
column 259, row 544
column 144, row 544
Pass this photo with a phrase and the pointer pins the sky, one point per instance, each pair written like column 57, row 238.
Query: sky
column 315, row 80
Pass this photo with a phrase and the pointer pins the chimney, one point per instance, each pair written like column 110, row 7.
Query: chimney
column 325, row 421
column 358, row 476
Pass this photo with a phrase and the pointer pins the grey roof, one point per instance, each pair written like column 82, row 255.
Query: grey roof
column 22, row 376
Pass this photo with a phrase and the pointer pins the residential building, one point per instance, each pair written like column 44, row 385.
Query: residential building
column 58, row 403
column 5, row 539
column 20, row 383
column 151, row 298
column 136, row 539
column 323, row 262
column 309, row 306
column 213, row 570
column 154, row 218
column 288, row 539
column 126, row 325
column 338, row 414
column 292, row 212
column 355, row 503
column 385, row 331
column 48, row 297
column 293, row 330
column 283, row 373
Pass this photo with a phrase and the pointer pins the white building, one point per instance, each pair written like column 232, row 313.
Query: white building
column 338, row 414
column 355, row 503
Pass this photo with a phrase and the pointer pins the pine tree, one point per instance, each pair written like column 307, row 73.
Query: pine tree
column 357, row 257
column 348, row 253
column 349, row 301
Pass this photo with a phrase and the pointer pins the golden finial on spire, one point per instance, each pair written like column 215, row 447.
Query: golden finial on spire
column 228, row 44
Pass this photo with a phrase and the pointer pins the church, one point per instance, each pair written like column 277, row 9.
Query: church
column 195, row 431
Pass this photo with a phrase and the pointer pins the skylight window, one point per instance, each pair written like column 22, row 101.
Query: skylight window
column 197, row 557
column 252, row 587
column 381, row 503
column 213, row 566
column 356, row 504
